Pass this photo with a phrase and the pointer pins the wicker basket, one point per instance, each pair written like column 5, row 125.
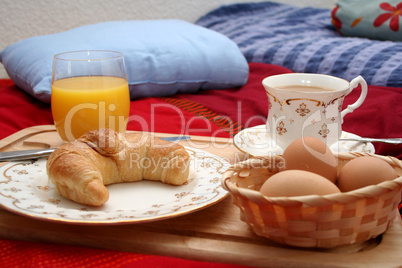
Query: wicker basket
column 326, row 221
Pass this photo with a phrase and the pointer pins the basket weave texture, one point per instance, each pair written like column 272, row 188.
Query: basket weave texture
column 313, row 221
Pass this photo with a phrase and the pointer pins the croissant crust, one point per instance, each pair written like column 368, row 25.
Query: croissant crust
column 81, row 169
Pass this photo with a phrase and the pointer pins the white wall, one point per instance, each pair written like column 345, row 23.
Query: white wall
column 20, row 19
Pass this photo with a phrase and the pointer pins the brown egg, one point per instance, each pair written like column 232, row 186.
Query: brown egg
column 364, row 171
column 311, row 154
column 297, row 183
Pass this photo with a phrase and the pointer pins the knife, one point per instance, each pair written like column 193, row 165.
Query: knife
column 38, row 153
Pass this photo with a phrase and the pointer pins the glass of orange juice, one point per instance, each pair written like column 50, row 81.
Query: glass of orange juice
column 89, row 91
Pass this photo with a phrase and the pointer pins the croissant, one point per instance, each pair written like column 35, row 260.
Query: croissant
column 81, row 169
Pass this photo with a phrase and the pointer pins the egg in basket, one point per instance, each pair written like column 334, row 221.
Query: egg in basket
column 298, row 205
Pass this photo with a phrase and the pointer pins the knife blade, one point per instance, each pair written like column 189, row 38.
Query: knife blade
column 25, row 154
column 38, row 153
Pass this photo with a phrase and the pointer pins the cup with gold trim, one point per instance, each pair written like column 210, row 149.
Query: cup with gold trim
column 308, row 105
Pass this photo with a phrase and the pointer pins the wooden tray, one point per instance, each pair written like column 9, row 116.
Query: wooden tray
column 215, row 234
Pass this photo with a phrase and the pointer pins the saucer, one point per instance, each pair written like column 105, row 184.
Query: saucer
column 255, row 141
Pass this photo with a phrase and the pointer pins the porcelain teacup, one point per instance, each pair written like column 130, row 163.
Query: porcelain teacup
column 308, row 105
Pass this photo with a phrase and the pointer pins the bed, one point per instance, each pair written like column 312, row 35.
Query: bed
column 224, row 112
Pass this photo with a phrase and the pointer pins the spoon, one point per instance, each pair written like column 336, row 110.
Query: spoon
column 389, row 141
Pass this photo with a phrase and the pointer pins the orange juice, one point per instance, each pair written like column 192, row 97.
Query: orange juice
column 80, row 104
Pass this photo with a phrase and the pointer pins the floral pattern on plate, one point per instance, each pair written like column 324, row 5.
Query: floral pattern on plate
column 255, row 141
column 26, row 189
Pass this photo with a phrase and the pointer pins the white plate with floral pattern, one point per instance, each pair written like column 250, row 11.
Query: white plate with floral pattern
column 25, row 189
column 256, row 141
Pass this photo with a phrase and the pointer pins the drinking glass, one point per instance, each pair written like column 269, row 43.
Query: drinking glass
column 89, row 91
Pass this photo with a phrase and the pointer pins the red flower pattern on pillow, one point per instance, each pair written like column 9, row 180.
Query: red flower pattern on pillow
column 335, row 20
column 393, row 14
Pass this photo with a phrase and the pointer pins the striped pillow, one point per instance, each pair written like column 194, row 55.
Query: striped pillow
column 304, row 40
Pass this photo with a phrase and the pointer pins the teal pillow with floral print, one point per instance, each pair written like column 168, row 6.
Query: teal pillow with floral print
column 371, row 19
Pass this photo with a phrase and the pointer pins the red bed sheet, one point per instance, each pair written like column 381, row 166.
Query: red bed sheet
column 218, row 112
column 221, row 113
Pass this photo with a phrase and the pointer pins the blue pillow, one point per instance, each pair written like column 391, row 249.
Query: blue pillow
column 162, row 57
